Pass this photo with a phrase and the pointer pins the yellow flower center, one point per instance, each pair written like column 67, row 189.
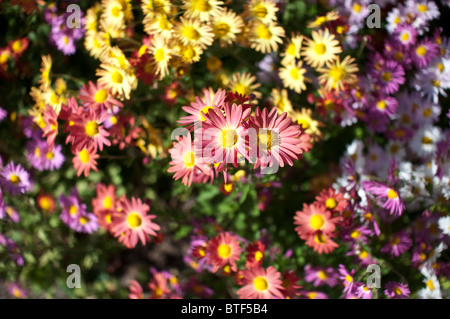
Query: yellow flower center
column 260, row 11
column 395, row 241
column 91, row 128
column 317, row 221
column 397, row 291
column 260, row 283
column 189, row 53
column 107, row 202
column 349, row 278
column 134, row 220
column 205, row 110
column 16, row 293
column 291, row 49
column 357, row 7
column 241, row 89
column 355, row 234
column 54, row 99
column 320, row 239
column 73, row 210
column 392, row 194
column 101, row 96
column 321, row 20
column 160, row 55
column 320, row 48
column 263, row 32
column 224, row 251
column 45, row 203
column 83, row 220
column 50, row 155
column 430, row 284
column 386, row 76
column 115, row 11
column 421, row 51
column 117, row 78
column 84, row 156
column 305, row 123
column 405, row 36
column 423, row 8
column 108, row 218
column 189, row 159
column 201, row 5
column 191, row 33
column 258, row 255
column 440, row 67
column 331, row 203
column 427, row 141
column 337, row 73
column 427, row 112
column 363, row 254
column 17, row 46
column 265, row 140
column 322, row 275
column 222, row 29
column 228, row 187
column 15, row 179
column 294, row 73
column 381, row 105
column 229, row 138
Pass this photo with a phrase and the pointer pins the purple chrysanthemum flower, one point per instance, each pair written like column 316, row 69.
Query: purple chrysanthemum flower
column 398, row 244
column 13, row 249
column 36, row 150
column 425, row 52
column 12, row 213
column 357, row 234
column 15, row 291
column 320, row 276
column 72, row 209
column 386, row 105
column 391, row 197
column 405, row 34
column 53, row 159
column 15, row 179
column 397, row 52
column 64, row 37
column 389, row 76
column 3, row 114
column 347, row 278
column 397, row 290
column 85, row 223
column 362, row 291
column 377, row 122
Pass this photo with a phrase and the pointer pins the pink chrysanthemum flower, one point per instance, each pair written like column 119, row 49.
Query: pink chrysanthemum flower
column 185, row 163
column 210, row 101
column 255, row 254
column 88, row 130
column 15, row 291
column 332, row 200
column 312, row 219
column 51, row 126
column 391, row 198
column 261, row 283
column 85, row 160
column 278, row 140
column 347, row 278
column 104, row 204
column 322, row 242
column 362, row 291
column 223, row 250
column 224, row 136
column 136, row 291
column 132, row 223
column 424, row 52
column 389, row 77
column 397, row 290
column 96, row 96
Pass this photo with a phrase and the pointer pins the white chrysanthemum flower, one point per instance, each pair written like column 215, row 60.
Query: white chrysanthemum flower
column 424, row 142
column 444, row 225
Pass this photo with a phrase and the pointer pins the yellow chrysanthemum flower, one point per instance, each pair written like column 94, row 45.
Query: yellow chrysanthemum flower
column 194, row 32
column 279, row 98
column 154, row 7
column 96, row 42
column 60, row 86
column 322, row 48
column 116, row 79
column 54, row 100
column 158, row 24
column 292, row 50
column 46, row 67
column 189, row 53
column 226, row 26
column 265, row 37
column 162, row 53
column 305, row 120
column 113, row 13
column 293, row 77
column 244, row 84
column 202, row 9
column 330, row 16
column 337, row 73
column 92, row 16
column 262, row 10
